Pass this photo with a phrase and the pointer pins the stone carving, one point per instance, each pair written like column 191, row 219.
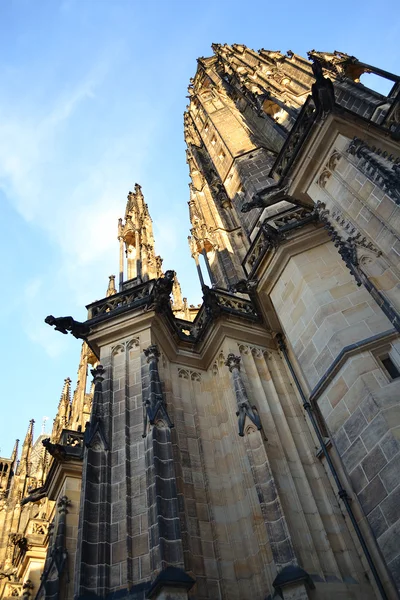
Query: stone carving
column 322, row 90
column 27, row 587
column 295, row 139
column 244, row 286
column 211, row 303
column 244, row 407
column 379, row 166
column 162, row 292
column 65, row 324
column 95, row 432
column 55, row 450
column 268, row 197
column 38, row 528
column 153, row 395
column 131, row 297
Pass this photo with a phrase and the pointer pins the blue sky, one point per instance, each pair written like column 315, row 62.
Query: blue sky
column 91, row 101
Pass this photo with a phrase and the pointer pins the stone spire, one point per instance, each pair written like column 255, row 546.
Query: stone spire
column 14, row 454
column 135, row 235
column 27, row 449
column 82, row 401
column 64, row 411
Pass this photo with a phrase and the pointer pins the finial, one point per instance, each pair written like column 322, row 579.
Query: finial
column 111, row 290
column 66, row 389
column 233, row 362
column 44, row 421
column 151, row 353
column 14, row 453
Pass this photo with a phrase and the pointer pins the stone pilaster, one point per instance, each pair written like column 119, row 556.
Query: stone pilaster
column 93, row 555
column 166, row 551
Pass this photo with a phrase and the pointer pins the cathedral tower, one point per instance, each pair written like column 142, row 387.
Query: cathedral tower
column 248, row 448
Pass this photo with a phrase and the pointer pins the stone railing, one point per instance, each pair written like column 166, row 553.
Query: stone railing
column 73, row 439
column 273, row 232
column 38, row 527
column 216, row 302
column 233, row 304
column 125, row 300
column 190, row 331
column 295, row 139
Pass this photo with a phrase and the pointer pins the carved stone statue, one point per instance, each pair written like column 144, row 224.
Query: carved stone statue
column 277, row 193
column 56, row 450
column 244, row 286
column 162, row 291
column 65, row 324
column 322, row 90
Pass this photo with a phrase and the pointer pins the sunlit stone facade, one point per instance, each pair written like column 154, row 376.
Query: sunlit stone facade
column 247, row 448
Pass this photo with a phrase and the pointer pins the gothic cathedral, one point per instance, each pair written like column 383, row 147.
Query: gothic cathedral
column 247, row 448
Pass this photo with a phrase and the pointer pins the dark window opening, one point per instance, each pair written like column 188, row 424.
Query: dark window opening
column 390, row 367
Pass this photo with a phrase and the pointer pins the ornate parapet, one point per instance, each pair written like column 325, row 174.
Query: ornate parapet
column 139, row 295
column 295, row 140
column 273, row 232
column 155, row 295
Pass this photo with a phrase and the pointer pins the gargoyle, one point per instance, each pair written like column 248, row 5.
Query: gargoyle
column 213, row 309
column 162, row 291
column 268, row 197
column 65, row 324
column 55, row 450
column 322, row 90
column 35, row 495
column 244, row 286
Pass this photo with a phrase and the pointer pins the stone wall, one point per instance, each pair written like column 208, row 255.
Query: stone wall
column 361, row 409
column 322, row 310
column 357, row 204
column 228, row 526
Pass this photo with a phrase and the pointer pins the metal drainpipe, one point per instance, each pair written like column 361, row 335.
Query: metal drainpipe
column 341, row 491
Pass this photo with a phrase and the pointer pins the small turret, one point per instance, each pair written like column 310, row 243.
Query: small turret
column 64, row 411
column 136, row 238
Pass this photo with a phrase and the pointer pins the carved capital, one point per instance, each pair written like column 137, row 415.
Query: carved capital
column 233, row 362
column 151, row 353
column 63, row 504
column 97, row 374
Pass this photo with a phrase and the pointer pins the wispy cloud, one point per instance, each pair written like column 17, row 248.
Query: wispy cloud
column 77, row 212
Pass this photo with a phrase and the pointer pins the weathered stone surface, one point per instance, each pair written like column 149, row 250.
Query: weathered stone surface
column 373, row 463
column 372, row 495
